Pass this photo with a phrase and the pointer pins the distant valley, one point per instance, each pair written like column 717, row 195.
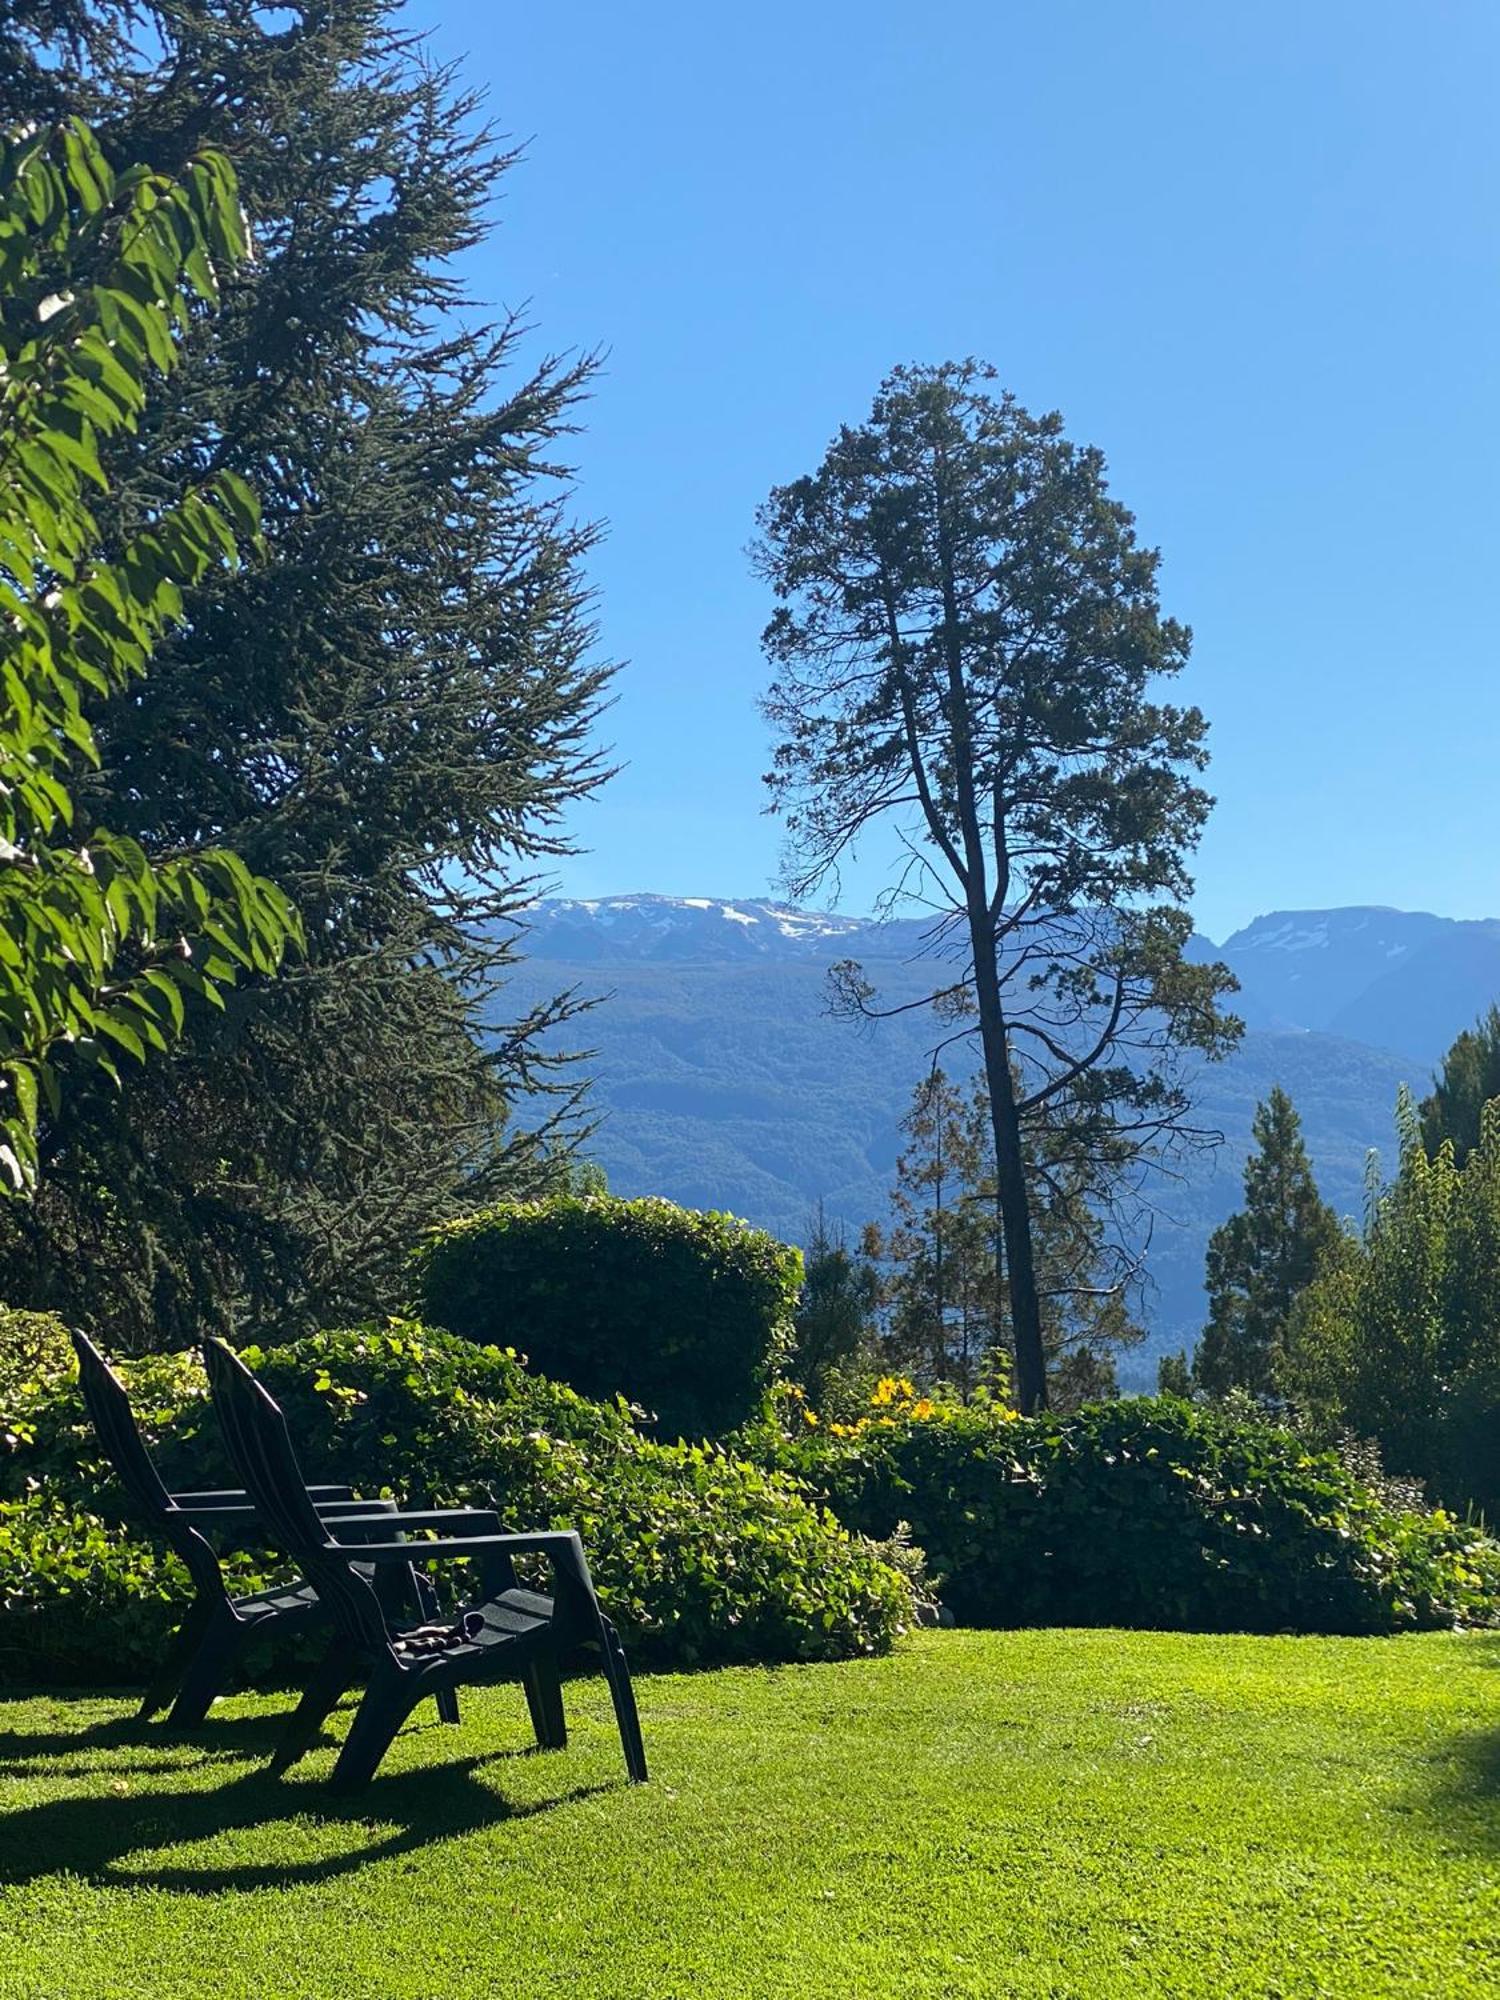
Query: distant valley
column 722, row 1082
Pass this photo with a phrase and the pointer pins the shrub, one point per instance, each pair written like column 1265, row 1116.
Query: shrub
column 700, row 1556
column 1141, row 1512
column 689, row 1313
column 34, row 1347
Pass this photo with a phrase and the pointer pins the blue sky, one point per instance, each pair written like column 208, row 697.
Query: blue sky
column 1252, row 252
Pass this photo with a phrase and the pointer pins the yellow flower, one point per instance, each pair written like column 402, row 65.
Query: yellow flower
column 811, row 1416
column 924, row 1407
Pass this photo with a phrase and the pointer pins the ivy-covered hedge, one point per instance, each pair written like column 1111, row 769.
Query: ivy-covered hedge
column 686, row 1312
column 1140, row 1512
column 701, row 1556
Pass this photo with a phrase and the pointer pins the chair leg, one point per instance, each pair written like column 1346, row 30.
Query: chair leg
column 622, row 1694
column 543, row 1686
column 387, row 1702
column 333, row 1674
column 222, row 1642
column 180, row 1649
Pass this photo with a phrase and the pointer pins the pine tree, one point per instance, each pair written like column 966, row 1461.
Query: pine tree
column 969, row 637
column 948, row 1316
column 1264, row 1257
column 1399, row 1341
column 1469, row 1079
column 944, row 1314
column 387, row 716
column 836, row 1313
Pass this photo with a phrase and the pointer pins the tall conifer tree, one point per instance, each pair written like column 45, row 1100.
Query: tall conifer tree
column 387, row 717
column 1264, row 1257
column 1468, row 1080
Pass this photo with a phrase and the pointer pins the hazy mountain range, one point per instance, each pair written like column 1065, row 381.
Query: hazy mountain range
column 722, row 1081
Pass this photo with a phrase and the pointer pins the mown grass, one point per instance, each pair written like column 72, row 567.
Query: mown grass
column 1081, row 1814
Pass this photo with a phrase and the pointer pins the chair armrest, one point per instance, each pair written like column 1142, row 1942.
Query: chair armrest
column 482, row 1520
column 561, row 1542
column 234, row 1496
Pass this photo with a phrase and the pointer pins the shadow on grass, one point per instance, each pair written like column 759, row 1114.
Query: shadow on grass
column 43, row 1753
column 1462, row 1804
column 94, row 1835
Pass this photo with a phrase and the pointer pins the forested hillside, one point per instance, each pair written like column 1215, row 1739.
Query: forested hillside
column 721, row 1080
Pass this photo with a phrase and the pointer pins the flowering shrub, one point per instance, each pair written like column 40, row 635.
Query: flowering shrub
column 1137, row 1512
column 701, row 1555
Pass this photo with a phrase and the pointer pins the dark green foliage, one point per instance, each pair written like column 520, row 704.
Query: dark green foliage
column 686, row 1311
column 1400, row 1342
column 389, row 714
column 699, row 1556
column 835, row 1326
column 1151, row 1513
column 1468, row 1080
column 1174, row 1375
column 1261, row 1260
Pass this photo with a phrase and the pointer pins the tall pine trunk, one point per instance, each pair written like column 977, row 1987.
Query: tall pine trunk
column 1010, row 1175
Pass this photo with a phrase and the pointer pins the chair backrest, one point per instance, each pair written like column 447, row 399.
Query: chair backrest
column 108, row 1405
column 260, row 1445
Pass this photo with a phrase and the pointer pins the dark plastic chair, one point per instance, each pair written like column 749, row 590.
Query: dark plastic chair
column 510, row 1633
column 217, row 1627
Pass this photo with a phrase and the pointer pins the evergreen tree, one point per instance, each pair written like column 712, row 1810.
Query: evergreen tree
column 387, row 716
column 1400, row 1341
column 1263, row 1257
column 1469, row 1079
column 1174, row 1375
column 948, row 1316
column 836, row 1313
column 944, row 1314
column 968, row 636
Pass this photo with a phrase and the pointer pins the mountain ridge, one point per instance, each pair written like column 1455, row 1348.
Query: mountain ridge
column 723, row 1082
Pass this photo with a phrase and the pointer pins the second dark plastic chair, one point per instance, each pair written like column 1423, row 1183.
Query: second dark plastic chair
column 511, row 1633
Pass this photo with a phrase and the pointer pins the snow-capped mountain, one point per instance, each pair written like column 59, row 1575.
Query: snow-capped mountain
column 1399, row 979
column 702, row 928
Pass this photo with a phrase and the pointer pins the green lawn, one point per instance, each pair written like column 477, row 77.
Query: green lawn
column 1039, row 1813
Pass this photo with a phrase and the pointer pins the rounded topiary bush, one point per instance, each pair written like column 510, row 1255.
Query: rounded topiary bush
column 687, row 1312
column 1143, row 1512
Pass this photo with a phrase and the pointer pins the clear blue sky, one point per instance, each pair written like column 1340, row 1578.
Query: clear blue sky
column 1251, row 251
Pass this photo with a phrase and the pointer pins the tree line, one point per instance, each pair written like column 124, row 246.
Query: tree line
column 1388, row 1333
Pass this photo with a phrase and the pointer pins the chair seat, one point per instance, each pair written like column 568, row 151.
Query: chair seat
column 482, row 1629
column 288, row 1600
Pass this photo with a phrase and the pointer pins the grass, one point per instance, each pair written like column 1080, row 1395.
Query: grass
column 1056, row 1814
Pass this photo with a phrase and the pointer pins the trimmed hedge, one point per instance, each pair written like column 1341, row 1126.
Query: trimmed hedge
column 687, row 1312
column 1142, row 1512
column 700, row 1557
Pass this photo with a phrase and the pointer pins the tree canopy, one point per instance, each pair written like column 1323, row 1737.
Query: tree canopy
column 388, row 713
column 1468, row 1081
column 968, row 644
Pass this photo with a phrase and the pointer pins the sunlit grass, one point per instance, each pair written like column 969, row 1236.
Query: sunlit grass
column 1056, row 1813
